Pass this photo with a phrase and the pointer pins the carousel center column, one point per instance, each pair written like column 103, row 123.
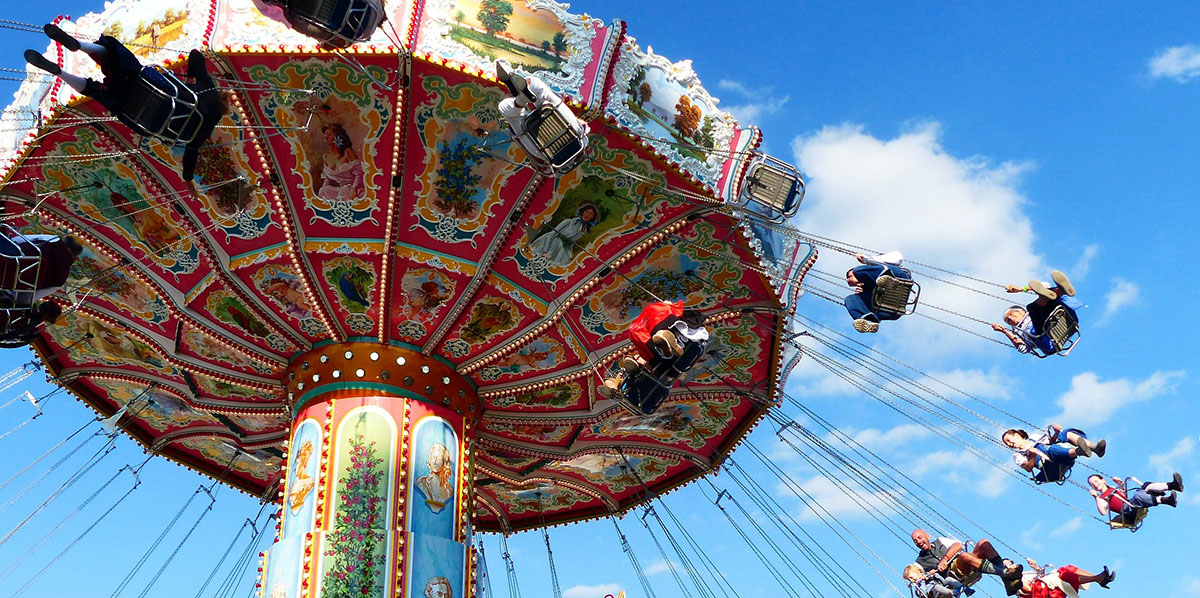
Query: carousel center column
column 376, row 492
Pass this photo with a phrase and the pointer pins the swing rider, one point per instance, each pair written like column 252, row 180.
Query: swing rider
column 661, row 334
column 547, row 145
column 1027, row 324
column 1119, row 501
column 1064, row 582
column 1054, row 453
column 20, row 325
column 947, row 555
column 881, row 271
column 934, row 584
column 17, row 279
column 122, row 73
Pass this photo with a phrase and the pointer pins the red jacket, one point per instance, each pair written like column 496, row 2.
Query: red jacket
column 642, row 326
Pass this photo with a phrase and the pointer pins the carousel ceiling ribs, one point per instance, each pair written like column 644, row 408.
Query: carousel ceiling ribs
column 483, row 271
column 651, row 448
column 395, row 193
column 555, row 478
column 217, row 257
column 71, row 224
column 180, row 389
column 287, row 220
column 534, row 329
column 177, row 361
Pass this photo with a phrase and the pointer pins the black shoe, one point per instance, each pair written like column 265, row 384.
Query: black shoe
column 53, row 32
column 1176, row 483
column 1012, row 586
column 197, row 65
column 41, row 62
column 1099, row 448
column 1171, row 500
column 506, row 75
column 1108, row 577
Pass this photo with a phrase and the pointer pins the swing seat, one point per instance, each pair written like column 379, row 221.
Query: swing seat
column 170, row 116
column 1063, row 477
column 19, row 264
column 1117, row 521
column 1061, row 329
column 335, row 23
column 900, row 298
column 774, row 185
column 645, row 390
column 558, row 136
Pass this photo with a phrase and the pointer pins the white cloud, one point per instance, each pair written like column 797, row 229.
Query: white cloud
column 1191, row 586
column 1090, row 400
column 1067, row 527
column 660, row 567
column 761, row 102
column 965, row 215
column 1081, row 268
column 831, row 500
column 1164, row 463
column 894, row 438
column 1179, row 63
column 961, row 469
column 599, row 591
column 1123, row 293
column 1029, row 536
column 992, row 384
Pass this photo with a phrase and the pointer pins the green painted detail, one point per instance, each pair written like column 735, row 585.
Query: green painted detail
column 234, row 258
column 377, row 386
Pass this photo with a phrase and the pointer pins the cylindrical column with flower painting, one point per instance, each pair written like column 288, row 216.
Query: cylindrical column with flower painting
column 374, row 500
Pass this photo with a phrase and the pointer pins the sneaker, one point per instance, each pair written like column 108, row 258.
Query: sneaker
column 1042, row 290
column 1062, row 282
column 865, row 325
column 1176, row 483
column 968, row 590
column 1013, row 570
column 1099, row 447
column 1108, row 576
column 1171, row 500
column 886, row 282
column 1083, row 447
column 609, row 392
column 1012, row 586
column 666, row 337
column 55, row 33
column 41, row 62
column 629, row 364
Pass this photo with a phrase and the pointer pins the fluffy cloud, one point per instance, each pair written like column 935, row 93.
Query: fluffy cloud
column 660, row 567
column 1179, row 63
column 1123, row 293
column 1083, row 266
column 834, row 501
column 759, row 102
column 1067, row 527
column 898, row 436
column 1165, row 463
column 965, row 215
column 1092, row 401
column 599, row 591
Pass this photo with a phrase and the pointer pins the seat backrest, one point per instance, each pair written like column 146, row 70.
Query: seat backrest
column 320, row 11
column 1060, row 326
column 551, row 132
column 897, row 299
column 146, row 105
column 772, row 186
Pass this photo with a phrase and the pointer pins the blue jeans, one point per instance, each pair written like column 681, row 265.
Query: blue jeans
column 859, row 304
column 1058, row 461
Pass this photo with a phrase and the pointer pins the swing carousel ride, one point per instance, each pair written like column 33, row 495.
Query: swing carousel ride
column 371, row 309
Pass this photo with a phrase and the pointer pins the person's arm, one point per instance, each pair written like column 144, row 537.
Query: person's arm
column 950, row 554
column 190, row 156
column 1101, row 504
column 1012, row 337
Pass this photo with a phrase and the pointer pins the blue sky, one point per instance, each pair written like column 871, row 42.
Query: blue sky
column 996, row 140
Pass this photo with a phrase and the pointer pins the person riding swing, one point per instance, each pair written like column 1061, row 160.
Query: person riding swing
column 668, row 340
